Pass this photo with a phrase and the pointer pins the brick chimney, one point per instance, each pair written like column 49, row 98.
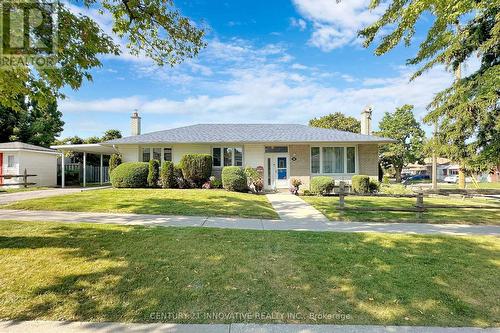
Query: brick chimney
column 366, row 121
column 135, row 123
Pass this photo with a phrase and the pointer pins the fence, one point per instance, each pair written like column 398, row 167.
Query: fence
column 24, row 176
column 74, row 174
column 419, row 207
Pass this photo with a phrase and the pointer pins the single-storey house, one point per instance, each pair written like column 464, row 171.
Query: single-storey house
column 280, row 151
column 16, row 157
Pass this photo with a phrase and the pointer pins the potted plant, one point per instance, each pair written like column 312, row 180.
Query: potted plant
column 295, row 186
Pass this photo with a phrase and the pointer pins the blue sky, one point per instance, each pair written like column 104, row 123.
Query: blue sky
column 266, row 62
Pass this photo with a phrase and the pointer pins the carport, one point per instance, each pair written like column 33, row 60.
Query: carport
column 89, row 148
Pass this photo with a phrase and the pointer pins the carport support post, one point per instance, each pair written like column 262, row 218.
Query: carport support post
column 62, row 169
column 84, row 169
column 101, row 175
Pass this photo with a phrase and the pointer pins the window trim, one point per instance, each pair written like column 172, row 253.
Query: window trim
column 321, row 173
column 162, row 153
column 9, row 157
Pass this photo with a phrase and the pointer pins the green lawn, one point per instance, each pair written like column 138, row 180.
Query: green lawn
column 471, row 186
column 328, row 206
column 157, row 201
column 57, row 271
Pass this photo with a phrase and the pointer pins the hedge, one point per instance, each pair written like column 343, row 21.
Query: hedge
column 130, row 174
column 361, row 184
column 167, row 176
column 153, row 173
column 196, row 168
column 322, row 185
column 234, row 179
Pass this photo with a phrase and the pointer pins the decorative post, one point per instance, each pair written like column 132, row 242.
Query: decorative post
column 25, row 178
column 341, row 195
column 420, row 205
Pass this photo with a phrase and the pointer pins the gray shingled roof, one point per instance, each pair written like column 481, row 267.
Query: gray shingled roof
column 245, row 133
column 25, row 146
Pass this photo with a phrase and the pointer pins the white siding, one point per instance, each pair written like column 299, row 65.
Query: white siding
column 253, row 155
column 179, row 150
column 129, row 153
column 10, row 171
column 43, row 165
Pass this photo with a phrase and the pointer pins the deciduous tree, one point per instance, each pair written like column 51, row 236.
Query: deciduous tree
column 338, row 121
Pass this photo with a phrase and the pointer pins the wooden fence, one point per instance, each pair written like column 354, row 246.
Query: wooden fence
column 24, row 176
column 419, row 207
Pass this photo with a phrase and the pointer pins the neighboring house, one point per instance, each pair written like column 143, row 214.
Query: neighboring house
column 15, row 157
column 445, row 168
column 280, row 151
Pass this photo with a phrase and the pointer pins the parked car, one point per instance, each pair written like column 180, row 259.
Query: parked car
column 417, row 179
column 451, row 179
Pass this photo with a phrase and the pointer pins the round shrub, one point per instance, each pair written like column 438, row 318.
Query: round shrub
column 234, row 179
column 361, row 184
column 322, row 185
column 130, row 174
column 153, row 173
column 167, row 175
column 196, row 168
column 114, row 161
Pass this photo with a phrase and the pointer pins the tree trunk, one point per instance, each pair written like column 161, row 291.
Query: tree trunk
column 398, row 174
column 461, row 178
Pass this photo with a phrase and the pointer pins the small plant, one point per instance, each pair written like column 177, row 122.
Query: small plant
column 234, row 179
column 373, row 186
column 153, row 173
column 215, row 182
column 361, row 184
column 385, row 180
column 322, row 185
column 254, row 180
column 206, row 185
column 167, row 175
column 296, row 182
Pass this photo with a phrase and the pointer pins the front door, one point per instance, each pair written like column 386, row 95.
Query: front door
column 276, row 171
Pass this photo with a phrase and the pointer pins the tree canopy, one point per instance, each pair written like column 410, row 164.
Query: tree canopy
column 151, row 28
column 32, row 124
column 403, row 127
column 467, row 113
column 338, row 121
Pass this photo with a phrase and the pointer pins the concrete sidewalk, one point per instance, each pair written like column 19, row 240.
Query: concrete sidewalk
column 20, row 196
column 88, row 327
column 251, row 224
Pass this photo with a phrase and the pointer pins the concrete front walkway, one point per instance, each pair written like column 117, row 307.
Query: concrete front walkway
column 19, row 196
column 292, row 208
column 252, row 224
column 87, row 327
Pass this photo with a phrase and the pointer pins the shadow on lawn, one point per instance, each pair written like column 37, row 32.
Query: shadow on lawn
column 374, row 279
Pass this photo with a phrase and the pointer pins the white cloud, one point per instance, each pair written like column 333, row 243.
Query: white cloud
column 335, row 24
column 298, row 23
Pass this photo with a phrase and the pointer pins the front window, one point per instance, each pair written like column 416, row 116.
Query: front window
column 157, row 154
column 332, row 160
column 10, row 161
column 227, row 156
column 315, row 160
column 167, row 154
column 146, row 154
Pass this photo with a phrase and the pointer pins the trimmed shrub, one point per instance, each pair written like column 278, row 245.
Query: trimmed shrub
column 234, row 179
column 322, row 185
column 167, row 176
column 153, row 173
column 254, row 179
column 361, row 184
column 130, row 174
column 196, row 168
column 114, row 161
column 373, row 186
